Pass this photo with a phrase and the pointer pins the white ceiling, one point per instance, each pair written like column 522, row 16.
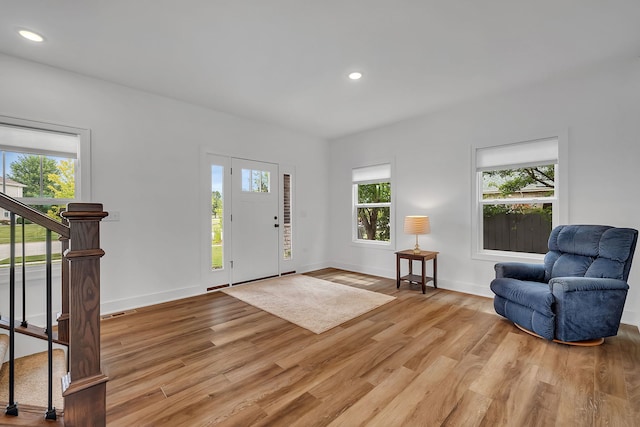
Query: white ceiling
column 286, row 61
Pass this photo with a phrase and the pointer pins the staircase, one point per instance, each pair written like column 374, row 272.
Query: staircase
column 31, row 378
column 36, row 387
column 31, row 374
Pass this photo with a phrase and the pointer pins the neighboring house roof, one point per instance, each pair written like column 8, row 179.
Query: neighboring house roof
column 11, row 182
column 491, row 185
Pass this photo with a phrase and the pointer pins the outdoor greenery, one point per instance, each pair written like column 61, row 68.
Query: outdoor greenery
column 31, row 258
column 493, row 210
column 374, row 220
column 27, row 170
column 216, row 238
column 63, row 186
column 510, row 182
column 44, row 177
column 514, row 180
column 256, row 181
column 216, row 216
column 32, row 233
column 216, row 256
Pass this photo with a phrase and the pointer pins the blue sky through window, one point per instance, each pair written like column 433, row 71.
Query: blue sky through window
column 216, row 178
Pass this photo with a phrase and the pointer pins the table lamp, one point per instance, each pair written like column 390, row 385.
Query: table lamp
column 416, row 224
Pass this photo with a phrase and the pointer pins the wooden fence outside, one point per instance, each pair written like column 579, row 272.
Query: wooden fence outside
column 517, row 232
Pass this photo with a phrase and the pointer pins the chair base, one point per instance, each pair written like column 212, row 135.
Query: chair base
column 587, row 343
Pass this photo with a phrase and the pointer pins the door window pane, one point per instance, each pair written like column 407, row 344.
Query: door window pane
column 256, row 181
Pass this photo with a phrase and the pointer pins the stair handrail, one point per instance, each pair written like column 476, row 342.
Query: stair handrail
column 27, row 212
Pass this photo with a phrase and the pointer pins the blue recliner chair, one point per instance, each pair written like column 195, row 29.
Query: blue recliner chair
column 578, row 294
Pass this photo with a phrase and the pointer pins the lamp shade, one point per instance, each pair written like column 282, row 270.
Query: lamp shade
column 417, row 224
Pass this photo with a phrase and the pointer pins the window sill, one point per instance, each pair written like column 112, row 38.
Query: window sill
column 373, row 244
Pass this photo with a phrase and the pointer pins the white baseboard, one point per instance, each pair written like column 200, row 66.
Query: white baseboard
column 149, row 299
column 467, row 288
column 628, row 317
column 381, row 272
column 313, row 267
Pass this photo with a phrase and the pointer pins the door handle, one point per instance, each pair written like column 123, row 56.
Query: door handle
column 276, row 225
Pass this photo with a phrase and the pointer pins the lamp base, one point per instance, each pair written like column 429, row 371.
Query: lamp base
column 417, row 249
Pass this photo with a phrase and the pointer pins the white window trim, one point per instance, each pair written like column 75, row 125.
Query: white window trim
column 83, row 161
column 560, row 213
column 376, row 244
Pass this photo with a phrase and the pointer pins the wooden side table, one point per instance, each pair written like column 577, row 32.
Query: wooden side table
column 422, row 279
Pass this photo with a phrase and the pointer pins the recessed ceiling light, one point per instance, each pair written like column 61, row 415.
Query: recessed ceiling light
column 355, row 75
column 30, row 35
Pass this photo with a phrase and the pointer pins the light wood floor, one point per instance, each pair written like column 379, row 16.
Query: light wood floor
column 443, row 358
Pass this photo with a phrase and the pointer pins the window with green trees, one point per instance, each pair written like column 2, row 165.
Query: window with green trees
column 372, row 209
column 37, row 180
column 517, row 196
column 39, row 166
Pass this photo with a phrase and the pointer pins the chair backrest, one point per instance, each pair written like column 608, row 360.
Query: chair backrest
column 590, row 251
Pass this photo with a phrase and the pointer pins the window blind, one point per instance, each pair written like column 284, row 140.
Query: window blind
column 372, row 174
column 522, row 154
column 38, row 142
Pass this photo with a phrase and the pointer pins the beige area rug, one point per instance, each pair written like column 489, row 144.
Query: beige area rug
column 314, row 304
column 31, row 380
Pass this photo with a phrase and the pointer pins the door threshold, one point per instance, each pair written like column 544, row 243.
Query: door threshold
column 255, row 280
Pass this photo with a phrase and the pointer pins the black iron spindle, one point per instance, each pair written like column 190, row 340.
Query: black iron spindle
column 24, row 323
column 51, row 411
column 12, row 407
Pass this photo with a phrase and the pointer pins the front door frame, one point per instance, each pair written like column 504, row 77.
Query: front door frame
column 220, row 278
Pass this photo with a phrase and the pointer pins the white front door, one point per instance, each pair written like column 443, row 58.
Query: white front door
column 255, row 223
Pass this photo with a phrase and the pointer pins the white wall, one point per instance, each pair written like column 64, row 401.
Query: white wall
column 599, row 109
column 145, row 165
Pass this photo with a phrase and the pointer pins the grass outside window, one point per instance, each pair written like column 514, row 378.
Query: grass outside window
column 32, row 233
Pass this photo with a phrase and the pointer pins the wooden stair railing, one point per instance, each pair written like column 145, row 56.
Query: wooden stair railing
column 84, row 386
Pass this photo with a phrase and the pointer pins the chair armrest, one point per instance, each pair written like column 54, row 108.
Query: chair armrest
column 577, row 284
column 587, row 307
column 520, row 271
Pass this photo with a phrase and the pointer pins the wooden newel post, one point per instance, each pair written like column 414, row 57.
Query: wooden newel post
column 84, row 387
